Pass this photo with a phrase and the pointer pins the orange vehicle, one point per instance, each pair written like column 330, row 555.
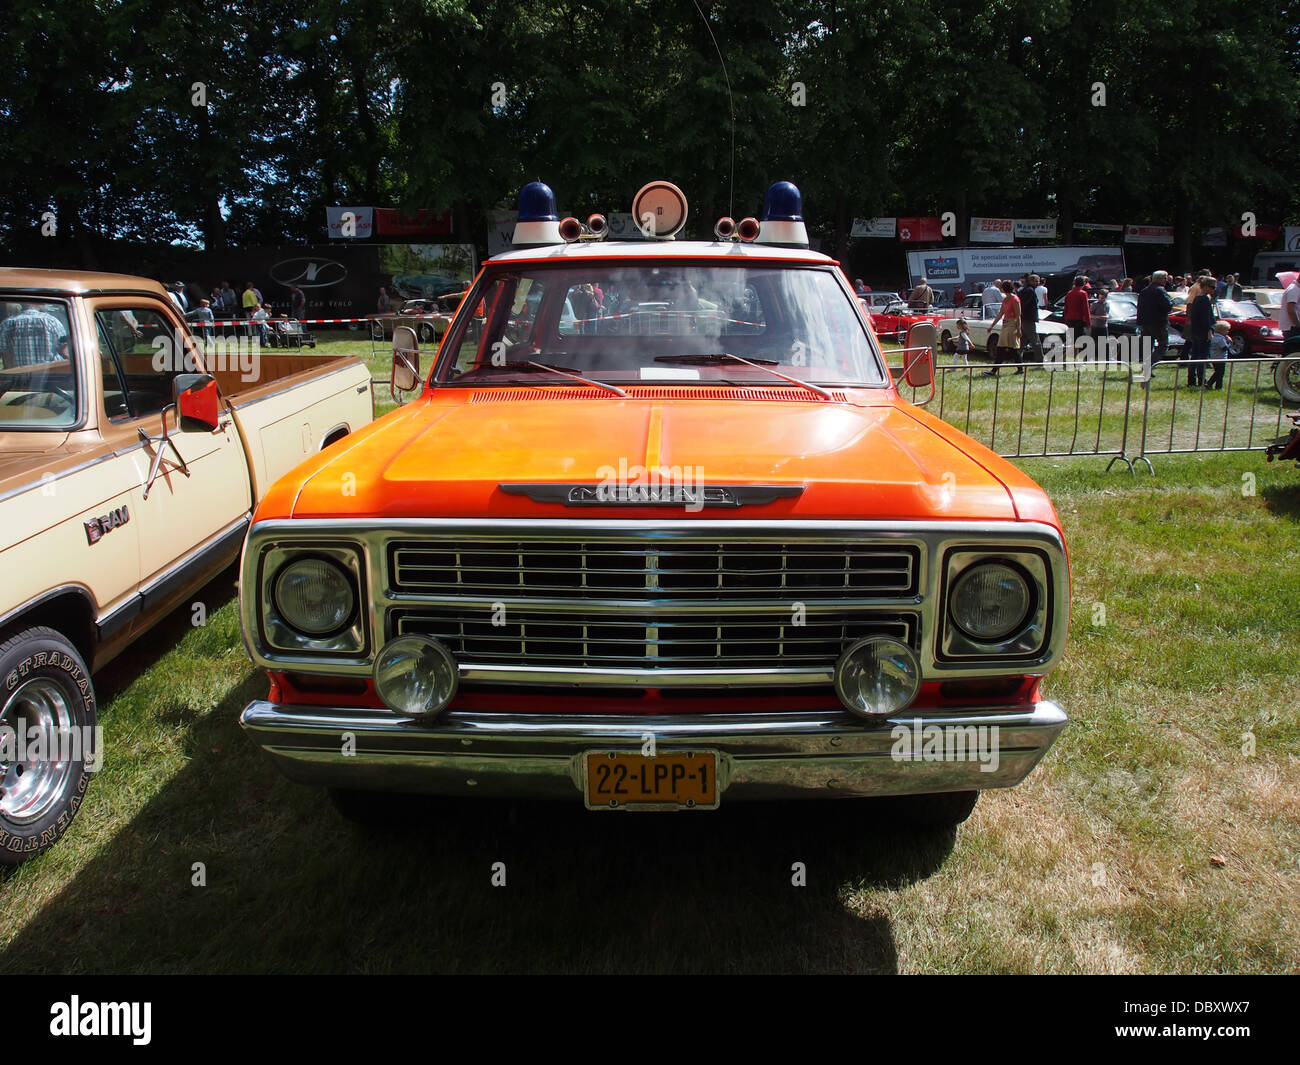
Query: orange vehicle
column 657, row 532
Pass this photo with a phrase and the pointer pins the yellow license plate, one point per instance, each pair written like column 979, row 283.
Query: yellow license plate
column 672, row 780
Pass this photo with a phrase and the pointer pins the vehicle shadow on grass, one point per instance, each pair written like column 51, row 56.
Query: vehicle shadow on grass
column 289, row 885
column 1283, row 499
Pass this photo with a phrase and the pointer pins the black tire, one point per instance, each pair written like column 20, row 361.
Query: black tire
column 946, row 809
column 1286, row 376
column 426, row 333
column 1239, row 346
column 946, row 342
column 376, row 330
column 991, row 345
column 44, row 685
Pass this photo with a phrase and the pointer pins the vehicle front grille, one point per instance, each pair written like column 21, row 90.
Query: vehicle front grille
column 648, row 641
column 652, row 570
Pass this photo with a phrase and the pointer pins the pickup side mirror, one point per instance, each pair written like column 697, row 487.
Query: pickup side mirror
column 195, row 396
column 406, row 361
column 918, row 357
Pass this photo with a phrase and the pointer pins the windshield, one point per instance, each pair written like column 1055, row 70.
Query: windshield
column 38, row 380
column 1239, row 309
column 670, row 322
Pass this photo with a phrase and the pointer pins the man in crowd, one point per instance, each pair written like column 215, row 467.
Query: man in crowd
column 30, row 337
column 1153, row 307
column 1077, row 313
column 922, row 296
column 992, row 295
column 1289, row 320
column 1029, row 347
column 1040, row 290
column 297, row 302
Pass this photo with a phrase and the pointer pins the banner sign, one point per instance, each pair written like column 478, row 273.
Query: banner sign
column 978, row 266
column 992, row 230
column 361, row 218
column 1102, row 227
column 874, row 227
column 1291, row 239
column 1262, row 232
column 339, row 280
column 500, row 231
column 1214, row 237
column 1149, row 234
column 1035, row 228
column 918, row 229
column 421, row 223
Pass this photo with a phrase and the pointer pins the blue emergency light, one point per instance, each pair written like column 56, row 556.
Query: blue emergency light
column 539, row 220
column 782, row 219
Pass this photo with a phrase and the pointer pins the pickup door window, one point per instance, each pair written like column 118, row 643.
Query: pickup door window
column 38, row 379
column 141, row 350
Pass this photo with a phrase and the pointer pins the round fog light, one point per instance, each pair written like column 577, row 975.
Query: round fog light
column 877, row 677
column 415, row 676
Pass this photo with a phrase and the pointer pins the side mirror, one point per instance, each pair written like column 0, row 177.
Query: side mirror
column 918, row 356
column 406, row 361
column 197, row 408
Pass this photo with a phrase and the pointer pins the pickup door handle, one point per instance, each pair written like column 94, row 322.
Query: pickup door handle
column 362, row 388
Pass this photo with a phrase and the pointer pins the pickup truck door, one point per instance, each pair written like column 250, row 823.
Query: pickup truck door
column 181, row 518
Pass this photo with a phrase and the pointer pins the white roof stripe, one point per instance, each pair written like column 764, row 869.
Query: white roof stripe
column 662, row 249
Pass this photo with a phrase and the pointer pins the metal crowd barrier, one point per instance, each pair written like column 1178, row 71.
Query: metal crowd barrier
column 1050, row 410
column 1245, row 413
column 1087, row 408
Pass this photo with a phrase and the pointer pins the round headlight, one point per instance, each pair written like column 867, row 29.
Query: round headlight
column 314, row 596
column 877, row 677
column 990, row 601
column 415, row 676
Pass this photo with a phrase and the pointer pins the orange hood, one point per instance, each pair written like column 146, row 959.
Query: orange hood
column 446, row 455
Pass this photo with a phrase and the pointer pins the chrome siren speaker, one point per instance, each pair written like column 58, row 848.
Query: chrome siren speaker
column 725, row 228
column 570, row 230
column 747, row 229
column 597, row 226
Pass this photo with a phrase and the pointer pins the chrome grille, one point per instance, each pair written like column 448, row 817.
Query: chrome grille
column 645, row 570
column 650, row 640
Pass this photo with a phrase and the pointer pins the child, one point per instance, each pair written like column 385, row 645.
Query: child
column 1220, row 352
column 961, row 345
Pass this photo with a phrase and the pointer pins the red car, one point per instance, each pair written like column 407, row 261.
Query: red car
column 895, row 320
column 1252, row 331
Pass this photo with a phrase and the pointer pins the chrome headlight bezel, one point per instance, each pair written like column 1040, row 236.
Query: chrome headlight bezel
column 1029, row 639
column 278, row 633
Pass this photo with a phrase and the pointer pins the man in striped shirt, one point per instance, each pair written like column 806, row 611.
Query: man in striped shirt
column 30, row 337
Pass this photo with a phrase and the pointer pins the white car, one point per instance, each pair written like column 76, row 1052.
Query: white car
column 1269, row 300
column 984, row 335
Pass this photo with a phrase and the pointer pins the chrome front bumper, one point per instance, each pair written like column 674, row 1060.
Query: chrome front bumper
column 818, row 754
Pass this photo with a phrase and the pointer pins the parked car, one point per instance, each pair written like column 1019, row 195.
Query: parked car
column 427, row 315
column 1252, row 331
column 894, row 320
column 983, row 334
column 1269, row 300
column 661, row 563
column 132, row 459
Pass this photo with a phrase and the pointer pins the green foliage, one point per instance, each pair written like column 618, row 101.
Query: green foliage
column 872, row 107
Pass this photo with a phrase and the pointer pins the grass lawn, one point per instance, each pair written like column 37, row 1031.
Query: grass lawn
column 1161, row 834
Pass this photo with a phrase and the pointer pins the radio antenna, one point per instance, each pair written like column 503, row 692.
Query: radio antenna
column 731, row 195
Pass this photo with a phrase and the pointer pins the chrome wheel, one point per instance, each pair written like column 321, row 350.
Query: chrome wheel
column 34, row 728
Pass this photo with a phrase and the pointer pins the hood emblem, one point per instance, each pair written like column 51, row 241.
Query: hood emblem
column 693, row 497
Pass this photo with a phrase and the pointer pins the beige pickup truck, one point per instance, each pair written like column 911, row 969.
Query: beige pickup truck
column 131, row 455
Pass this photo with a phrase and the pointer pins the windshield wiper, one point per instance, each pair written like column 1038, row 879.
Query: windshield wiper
column 564, row 371
column 762, row 364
